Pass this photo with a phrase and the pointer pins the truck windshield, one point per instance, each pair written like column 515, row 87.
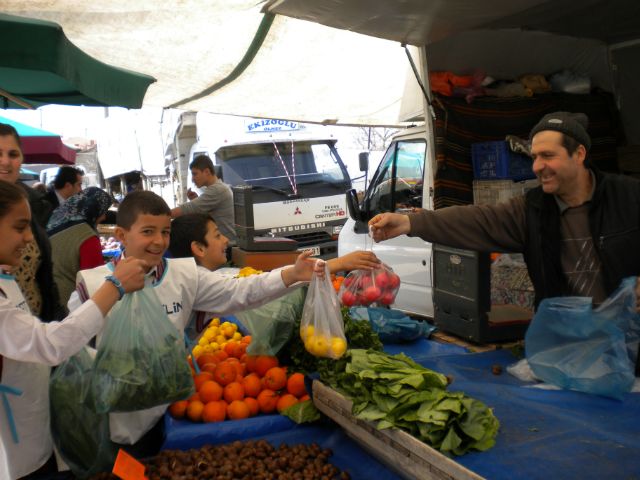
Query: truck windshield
column 312, row 163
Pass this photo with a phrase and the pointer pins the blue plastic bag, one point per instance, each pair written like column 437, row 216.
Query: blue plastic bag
column 392, row 326
column 572, row 346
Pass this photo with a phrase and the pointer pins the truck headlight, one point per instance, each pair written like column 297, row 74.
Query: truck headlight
column 337, row 229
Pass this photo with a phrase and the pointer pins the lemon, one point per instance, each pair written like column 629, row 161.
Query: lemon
column 234, row 326
column 309, row 345
column 209, row 336
column 338, row 346
column 220, row 339
column 228, row 332
column 308, row 333
column 225, row 325
column 203, row 341
column 197, row 351
column 215, row 322
column 207, row 349
column 321, row 346
column 222, row 345
column 215, row 331
column 214, row 346
column 236, row 337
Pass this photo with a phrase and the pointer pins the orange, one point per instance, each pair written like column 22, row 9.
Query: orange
column 193, row 372
column 214, row 412
column 233, row 391
column 201, row 378
column 286, row 402
column 304, row 398
column 178, row 409
column 221, row 355
column 251, row 386
column 190, row 361
column 285, row 368
column 228, row 332
column 246, row 339
column 206, row 358
column 254, row 374
column 240, row 350
column 194, row 398
column 254, row 408
column 251, row 363
column 194, row 411
column 224, row 404
column 263, row 383
column 276, row 379
column 295, row 385
column 224, row 374
column 232, row 360
column 209, row 367
column 231, row 347
column 241, row 369
column 264, row 363
column 210, row 392
column 238, row 410
column 268, row 401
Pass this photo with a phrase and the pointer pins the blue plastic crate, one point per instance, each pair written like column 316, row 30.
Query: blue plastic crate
column 496, row 161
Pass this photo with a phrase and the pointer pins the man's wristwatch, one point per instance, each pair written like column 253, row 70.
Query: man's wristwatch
column 117, row 283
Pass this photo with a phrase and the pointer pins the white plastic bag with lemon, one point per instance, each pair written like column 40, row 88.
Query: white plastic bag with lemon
column 322, row 328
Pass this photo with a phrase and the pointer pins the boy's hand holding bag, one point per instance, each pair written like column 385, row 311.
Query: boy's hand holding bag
column 141, row 360
column 322, row 327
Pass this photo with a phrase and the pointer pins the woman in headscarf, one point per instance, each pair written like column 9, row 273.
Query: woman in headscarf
column 34, row 274
column 74, row 238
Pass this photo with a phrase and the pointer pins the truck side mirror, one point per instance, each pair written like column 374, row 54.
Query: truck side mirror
column 363, row 158
column 352, row 205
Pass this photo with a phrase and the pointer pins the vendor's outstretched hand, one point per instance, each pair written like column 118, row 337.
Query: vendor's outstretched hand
column 359, row 260
column 389, row 225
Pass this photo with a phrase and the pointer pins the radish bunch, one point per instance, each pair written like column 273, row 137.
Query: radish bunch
column 361, row 287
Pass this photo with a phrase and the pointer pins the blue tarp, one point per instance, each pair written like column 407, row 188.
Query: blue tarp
column 543, row 433
column 422, row 349
column 346, row 454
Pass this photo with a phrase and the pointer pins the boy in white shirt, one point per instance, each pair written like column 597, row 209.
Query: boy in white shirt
column 143, row 228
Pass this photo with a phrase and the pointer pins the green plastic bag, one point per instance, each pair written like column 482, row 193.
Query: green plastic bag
column 81, row 436
column 141, row 361
column 271, row 325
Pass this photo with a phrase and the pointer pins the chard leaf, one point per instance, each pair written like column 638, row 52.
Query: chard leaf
column 302, row 412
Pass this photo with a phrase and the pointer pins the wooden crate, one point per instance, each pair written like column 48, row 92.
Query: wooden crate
column 405, row 454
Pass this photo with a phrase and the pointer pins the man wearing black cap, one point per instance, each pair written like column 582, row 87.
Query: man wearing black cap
column 579, row 231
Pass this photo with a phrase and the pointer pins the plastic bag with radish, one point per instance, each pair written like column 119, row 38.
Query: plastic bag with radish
column 322, row 327
column 362, row 287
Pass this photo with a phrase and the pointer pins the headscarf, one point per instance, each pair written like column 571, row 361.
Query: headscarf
column 84, row 207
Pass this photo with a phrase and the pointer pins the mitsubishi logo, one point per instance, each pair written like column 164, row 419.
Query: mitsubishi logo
column 297, row 211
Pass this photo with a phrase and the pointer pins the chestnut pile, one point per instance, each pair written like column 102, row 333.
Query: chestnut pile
column 243, row 461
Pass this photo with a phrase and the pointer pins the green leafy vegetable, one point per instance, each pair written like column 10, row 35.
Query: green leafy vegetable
column 359, row 334
column 401, row 394
column 81, row 436
column 302, row 412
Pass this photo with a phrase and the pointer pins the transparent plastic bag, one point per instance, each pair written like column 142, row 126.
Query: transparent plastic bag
column 141, row 360
column 569, row 82
column 362, row 287
column 322, row 327
column 392, row 326
column 271, row 325
column 572, row 346
column 81, row 436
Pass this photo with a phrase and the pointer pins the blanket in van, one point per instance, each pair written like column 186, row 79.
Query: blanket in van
column 491, row 119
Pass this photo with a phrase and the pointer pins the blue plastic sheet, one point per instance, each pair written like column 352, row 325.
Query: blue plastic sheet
column 422, row 349
column 180, row 431
column 347, row 456
column 545, row 434
column 392, row 326
column 572, row 346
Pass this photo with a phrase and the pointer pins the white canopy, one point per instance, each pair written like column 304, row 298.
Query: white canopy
column 301, row 71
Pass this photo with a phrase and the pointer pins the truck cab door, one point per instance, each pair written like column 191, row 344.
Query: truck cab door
column 401, row 185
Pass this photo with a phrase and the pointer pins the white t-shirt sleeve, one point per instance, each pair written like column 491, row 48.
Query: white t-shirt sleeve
column 222, row 295
column 25, row 338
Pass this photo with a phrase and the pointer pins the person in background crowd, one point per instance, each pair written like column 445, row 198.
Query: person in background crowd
column 28, row 347
column 34, row 273
column 217, row 199
column 74, row 238
column 40, row 188
column 67, row 183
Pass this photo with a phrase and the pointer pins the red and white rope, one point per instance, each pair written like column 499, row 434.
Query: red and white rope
column 293, row 186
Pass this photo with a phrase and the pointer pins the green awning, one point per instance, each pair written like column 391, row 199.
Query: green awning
column 40, row 66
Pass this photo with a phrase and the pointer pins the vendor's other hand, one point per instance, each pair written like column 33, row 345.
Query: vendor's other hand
column 638, row 297
column 359, row 260
column 191, row 195
column 130, row 272
column 389, row 225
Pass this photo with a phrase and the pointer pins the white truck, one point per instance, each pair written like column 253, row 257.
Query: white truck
column 298, row 181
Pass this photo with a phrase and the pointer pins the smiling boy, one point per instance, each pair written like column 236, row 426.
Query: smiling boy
column 143, row 228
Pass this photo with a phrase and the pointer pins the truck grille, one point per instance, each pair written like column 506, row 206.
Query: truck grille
column 312, row 238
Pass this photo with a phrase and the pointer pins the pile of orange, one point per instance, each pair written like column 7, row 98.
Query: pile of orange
column 336, row 281
column 234, row 385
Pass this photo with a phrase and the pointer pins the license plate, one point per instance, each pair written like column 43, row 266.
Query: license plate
column 315, row 250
